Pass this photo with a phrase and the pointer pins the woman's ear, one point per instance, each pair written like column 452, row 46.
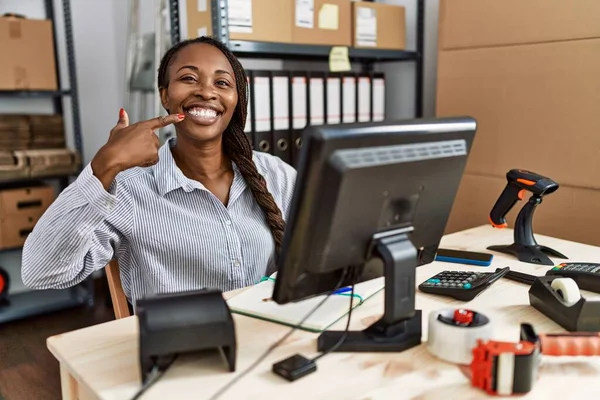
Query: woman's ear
column 164, row 98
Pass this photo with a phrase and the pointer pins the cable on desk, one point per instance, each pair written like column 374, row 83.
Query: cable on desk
column 228, row 385
column 339, row 343
column 153, row 377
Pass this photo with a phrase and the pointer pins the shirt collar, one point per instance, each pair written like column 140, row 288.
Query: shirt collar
column 169, row 177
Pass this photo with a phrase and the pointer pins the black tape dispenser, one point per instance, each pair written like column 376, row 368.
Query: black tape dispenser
column 525, row 248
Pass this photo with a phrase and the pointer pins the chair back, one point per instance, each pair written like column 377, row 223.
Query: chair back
column 117, row 295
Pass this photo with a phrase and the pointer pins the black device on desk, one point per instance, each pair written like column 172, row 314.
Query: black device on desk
column 371, row 200
column 464, row 257
column 524, row 247
column 585, row 275
column 461, row 285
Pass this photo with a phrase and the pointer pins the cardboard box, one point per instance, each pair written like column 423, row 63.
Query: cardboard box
column 14, row 231
column 325, row 22
column 25, row 202
column 570, row 213
column 28, row 59
column 378, row 26
column 20, row 209
column 252, row 20
column 479, row 23
column 536, row 107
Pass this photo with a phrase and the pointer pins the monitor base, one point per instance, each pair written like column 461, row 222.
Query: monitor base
column 378, row 337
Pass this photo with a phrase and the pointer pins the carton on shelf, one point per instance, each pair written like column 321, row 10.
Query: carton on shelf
column 28, row 61
column 378, row 26
column 252, row 20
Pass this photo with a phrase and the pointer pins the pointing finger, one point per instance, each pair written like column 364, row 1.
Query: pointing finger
column 165, row 120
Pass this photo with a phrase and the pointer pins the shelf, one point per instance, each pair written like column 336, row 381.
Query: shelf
column 291, row 51
column 48, row 94
column 27, row 304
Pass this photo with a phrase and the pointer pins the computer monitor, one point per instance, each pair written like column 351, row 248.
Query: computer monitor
column 371, row 200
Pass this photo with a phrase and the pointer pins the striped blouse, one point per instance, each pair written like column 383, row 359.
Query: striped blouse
column 168, row 232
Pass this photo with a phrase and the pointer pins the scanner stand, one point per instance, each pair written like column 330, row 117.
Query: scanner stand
column 400, row 327
column 525, row 247
column 583, row 316
column 172, row 324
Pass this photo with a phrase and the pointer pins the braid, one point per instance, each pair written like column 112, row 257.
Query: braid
column 236, row 144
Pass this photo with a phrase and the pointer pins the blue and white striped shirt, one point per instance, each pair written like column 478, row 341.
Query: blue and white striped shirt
column 168, row 232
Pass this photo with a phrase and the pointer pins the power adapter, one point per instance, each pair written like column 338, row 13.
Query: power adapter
column 294, row 367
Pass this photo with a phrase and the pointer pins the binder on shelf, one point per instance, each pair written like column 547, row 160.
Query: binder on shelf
column 316, row 98
column 378, row 96
column 299, row 111
column 261, row 111
column 349, row 97
column 280, row 98
column 364, row 99
column 248, row 127
column 333, row 99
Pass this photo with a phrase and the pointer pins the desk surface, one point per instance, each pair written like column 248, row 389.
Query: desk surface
column 104, row 358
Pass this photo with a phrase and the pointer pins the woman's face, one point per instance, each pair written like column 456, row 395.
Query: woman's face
column 201, row 86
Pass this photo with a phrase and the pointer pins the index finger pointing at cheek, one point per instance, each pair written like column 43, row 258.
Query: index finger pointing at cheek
column 160, row 122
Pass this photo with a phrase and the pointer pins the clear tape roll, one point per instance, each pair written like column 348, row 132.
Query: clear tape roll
column 455, row 342
column 567, row 290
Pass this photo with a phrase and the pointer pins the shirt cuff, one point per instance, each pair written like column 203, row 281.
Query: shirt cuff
column 93, row 191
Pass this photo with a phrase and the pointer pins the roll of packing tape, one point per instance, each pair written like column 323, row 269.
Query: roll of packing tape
column 453, row 333
column 567, row 290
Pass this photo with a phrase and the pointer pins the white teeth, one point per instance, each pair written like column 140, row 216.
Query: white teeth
column 202, row 112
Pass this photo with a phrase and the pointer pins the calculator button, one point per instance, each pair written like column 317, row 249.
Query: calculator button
column 467, row 286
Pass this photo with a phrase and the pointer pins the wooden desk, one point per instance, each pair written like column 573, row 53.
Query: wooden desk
column 101, row 362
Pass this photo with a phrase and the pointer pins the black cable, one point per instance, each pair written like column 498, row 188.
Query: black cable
column 339, row 342
column 276, row 344
column 154, row 375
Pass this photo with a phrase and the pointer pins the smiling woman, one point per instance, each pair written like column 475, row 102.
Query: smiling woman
column 203, row 210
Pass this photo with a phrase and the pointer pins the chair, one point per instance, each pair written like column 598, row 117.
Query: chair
column 117, row 295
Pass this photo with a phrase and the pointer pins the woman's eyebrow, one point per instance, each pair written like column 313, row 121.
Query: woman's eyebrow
column 189, row 67
column 195, row 69
column 222, row 71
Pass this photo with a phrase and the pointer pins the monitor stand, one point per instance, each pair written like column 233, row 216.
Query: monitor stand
column 400, row 327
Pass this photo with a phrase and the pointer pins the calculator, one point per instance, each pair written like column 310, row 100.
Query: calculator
column 461, row 285
column 586, row 275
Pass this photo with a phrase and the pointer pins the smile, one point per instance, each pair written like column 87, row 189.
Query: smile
column 202, row 115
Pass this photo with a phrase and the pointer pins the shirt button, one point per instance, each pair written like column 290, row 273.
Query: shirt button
column 228, row 222
column 236, row 263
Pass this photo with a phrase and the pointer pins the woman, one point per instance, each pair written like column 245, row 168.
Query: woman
column 203, row 210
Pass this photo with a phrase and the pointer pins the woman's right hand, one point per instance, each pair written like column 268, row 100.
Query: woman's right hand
column 130, row 146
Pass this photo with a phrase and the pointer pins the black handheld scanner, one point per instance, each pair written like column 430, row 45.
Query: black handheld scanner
column 519, row 181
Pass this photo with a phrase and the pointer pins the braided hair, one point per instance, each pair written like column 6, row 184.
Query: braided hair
column 236, row 144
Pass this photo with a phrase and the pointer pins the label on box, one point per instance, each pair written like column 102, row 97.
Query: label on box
column 305, row 13
column 202, row 6
column 329, row 17
column 366, row 26
column 240, row 16
column 202, row 31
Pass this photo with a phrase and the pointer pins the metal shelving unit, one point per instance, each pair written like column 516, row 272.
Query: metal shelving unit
column 301, row 52
column 36, row 302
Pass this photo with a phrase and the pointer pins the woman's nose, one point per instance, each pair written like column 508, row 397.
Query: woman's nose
column 205, row 91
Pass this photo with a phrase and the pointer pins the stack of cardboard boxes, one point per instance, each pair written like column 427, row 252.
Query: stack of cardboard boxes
column 528, row 71
column 320, row 22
